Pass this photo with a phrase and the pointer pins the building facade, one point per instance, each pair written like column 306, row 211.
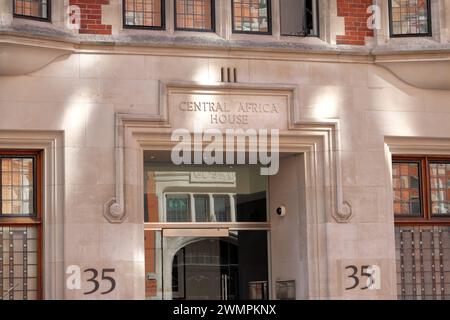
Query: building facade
column 352, row 96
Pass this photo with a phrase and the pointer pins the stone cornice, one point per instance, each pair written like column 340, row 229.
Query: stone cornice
column 403, row 63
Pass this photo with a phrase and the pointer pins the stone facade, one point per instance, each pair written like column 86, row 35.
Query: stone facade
column 69, row 86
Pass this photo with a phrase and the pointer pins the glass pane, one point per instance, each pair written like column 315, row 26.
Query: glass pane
column 177, row 208
column 222, row 208
column 299, row 17
column 225, row 268
column 202, row 208
column 204, row 193
column 251, row 15
column 18, row 266
column 440, row 190
column 406, row 185
column 194, row 14
column 31, row 8
column 410, row 17
column 144, row 13
column 17, row 186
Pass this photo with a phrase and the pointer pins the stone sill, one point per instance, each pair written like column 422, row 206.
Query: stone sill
column 177, row 40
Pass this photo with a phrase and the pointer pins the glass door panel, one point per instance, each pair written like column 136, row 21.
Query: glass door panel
column 204, row 267
column 198, row 194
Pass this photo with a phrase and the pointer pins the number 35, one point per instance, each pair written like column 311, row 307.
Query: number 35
column 372, row 273
column 93, row 279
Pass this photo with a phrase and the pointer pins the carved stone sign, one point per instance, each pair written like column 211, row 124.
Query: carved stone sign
column 228, row 108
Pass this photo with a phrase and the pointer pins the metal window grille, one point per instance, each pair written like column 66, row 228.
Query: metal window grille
column 423, row 262
column 18, row 263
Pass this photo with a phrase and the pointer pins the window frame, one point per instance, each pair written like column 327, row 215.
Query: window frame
column 213, row 19
column 426, row 218
column 23, row 16
column 35, row 214
column 410, row 35
column 34, row 220
column 269, row 21
column 163, row 19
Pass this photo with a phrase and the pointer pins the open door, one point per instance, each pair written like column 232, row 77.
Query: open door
column 214, row 264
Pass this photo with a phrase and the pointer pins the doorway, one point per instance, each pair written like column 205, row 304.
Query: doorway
column 206, row 232
column 218, row 268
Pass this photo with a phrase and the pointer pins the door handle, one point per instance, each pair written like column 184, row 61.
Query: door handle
column 222, row 287
column 225, row 279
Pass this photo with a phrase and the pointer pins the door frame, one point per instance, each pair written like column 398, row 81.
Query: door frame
column 317, row 140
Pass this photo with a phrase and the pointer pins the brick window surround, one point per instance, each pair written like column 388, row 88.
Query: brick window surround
column 91, row 16
column 355, row 17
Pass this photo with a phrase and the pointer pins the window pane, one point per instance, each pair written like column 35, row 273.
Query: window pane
column 439, row 186
column 202, row 208
column 144, row 13
column 177, row 208
column 299, row 17
column 203, row 194
column 194, row 14
column 17, row 186
column 222, row 208
column 32, row 8
column 251, row 15
column 406, row 186
column 409, row 17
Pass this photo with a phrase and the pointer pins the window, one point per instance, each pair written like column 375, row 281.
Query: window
column 194, row 15
column 146, row 14
column 35, row 9
column 222, row 208
column 178, row 208
column 410, row 18
column 251, row 16
column 421, row 189
column 299, row 17
column 422, row 234
column 20, row 225
column 406, row 188
column 202, row 208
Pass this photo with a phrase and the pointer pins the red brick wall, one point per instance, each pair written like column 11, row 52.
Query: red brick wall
column 355, row 15
column 91, row 16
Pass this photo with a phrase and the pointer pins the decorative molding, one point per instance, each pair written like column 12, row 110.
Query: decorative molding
column 317, row 137
column 329, row 143
column 434, row 73
column 22, row 59
column 418, row 146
